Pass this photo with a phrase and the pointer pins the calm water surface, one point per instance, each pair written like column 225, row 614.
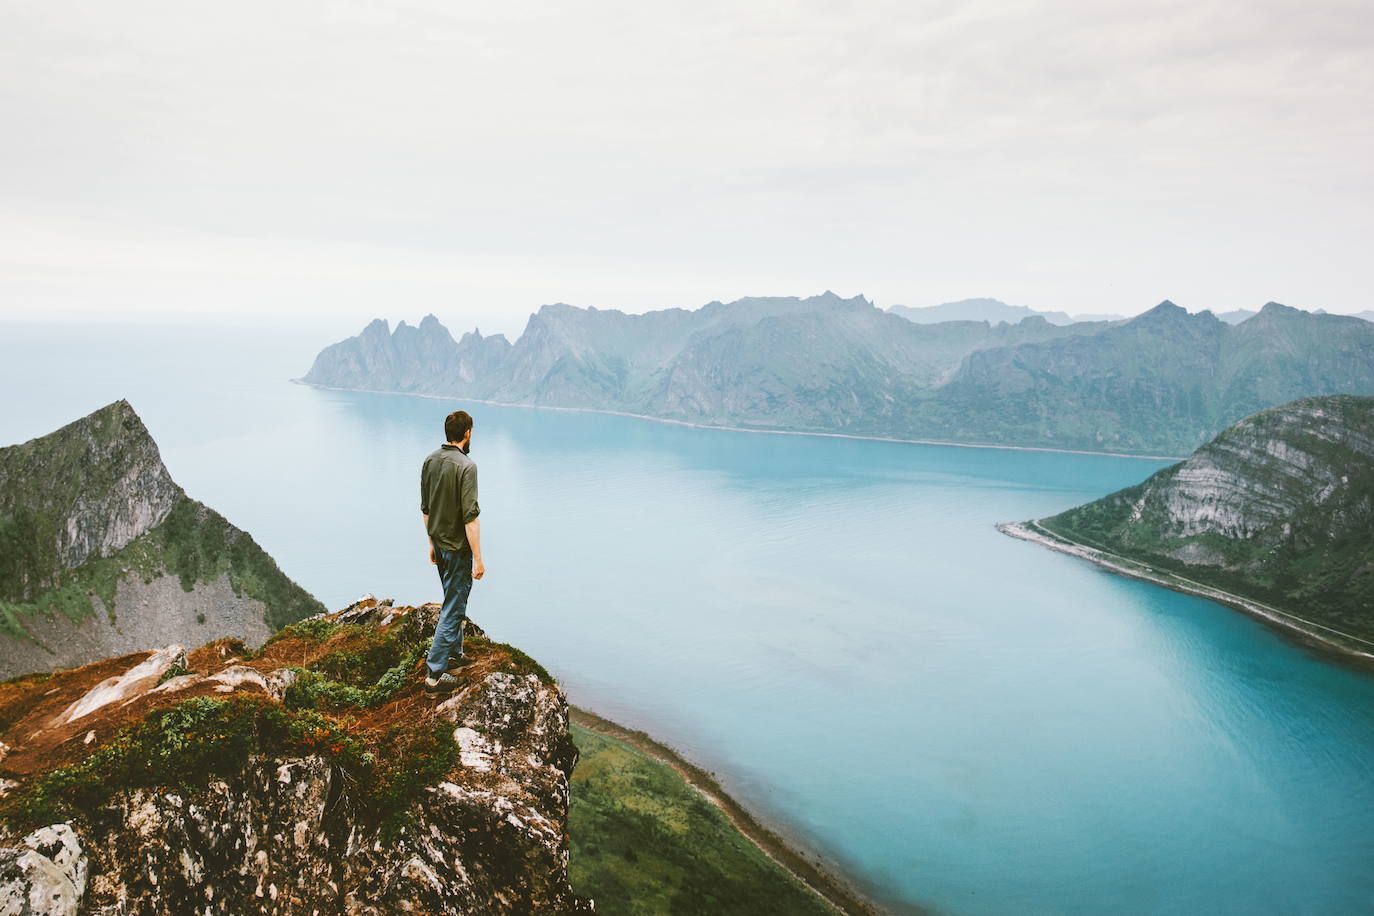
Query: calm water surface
column 962, row 721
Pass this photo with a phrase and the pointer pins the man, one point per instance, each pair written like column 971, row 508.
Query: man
column 448, row 502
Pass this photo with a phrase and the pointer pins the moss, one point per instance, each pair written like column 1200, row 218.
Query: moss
column 367, row 655
column 186, row 745
column 18, row 695
column 315, row 629
column 316, row 689
column 407, row 758
column 517, row 662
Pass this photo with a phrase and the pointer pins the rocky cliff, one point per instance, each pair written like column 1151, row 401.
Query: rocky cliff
column 101, row 553
column 313, row 776
column 1161, row 383
column 1279, row 509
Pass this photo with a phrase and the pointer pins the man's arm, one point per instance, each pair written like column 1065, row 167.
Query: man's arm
column 424, row 506
column 474, row 532
column 467, row 504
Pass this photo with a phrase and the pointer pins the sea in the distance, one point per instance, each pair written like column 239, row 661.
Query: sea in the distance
column 960, row 720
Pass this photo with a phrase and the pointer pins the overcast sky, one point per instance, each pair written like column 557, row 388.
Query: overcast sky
column 390, row 159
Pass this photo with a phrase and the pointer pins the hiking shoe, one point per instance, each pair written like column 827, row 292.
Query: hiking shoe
column 441, row 684
column 459, row 662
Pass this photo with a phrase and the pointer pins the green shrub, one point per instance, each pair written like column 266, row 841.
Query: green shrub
column 176, row 670
column 186, row 745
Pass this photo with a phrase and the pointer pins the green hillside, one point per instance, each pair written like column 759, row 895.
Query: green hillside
column 1279, row 509
column 645, row 843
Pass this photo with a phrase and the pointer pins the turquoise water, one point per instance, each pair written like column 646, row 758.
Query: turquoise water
column 962, row 721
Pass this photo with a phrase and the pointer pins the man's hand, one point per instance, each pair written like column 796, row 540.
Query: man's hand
column 431, row 555
column 478, row 567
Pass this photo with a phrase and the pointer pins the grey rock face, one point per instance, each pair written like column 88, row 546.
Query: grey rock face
column 44, row 874
column 1250, row 483
column 145, row 614
column 100, row 482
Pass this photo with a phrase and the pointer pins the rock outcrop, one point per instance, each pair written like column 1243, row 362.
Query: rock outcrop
column 1279, row 509
column 311, row 777
column 101, row 553
column 415, row 360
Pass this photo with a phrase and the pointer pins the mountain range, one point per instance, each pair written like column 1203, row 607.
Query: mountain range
column 1278, row 511
column 102, row 553
column 1161, row 383
column 989, row 310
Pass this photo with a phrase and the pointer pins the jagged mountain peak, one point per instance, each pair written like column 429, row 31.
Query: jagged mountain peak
column 1279, row 310
column 101, row 551
column 86, row 489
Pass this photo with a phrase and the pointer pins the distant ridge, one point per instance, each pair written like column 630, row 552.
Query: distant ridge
column 1161, row 383
column 991, row 310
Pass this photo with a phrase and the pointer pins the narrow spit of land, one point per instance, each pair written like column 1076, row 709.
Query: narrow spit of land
column 1348, row 647
column 830, row 887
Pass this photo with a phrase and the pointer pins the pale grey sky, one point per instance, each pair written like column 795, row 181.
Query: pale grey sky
column 478, row 160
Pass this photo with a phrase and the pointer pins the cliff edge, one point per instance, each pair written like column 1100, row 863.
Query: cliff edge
column 311, row 776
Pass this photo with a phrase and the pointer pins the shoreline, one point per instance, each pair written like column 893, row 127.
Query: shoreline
column 740, row 429
column 821, row 880
column 1315, row 635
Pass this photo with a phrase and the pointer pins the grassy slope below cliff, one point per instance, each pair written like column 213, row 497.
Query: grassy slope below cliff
column 645, row 842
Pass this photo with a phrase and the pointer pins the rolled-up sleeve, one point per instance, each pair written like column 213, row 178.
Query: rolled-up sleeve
column 424, row 489
column 467, row 494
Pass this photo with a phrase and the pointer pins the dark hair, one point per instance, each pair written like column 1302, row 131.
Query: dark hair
column 456, row 425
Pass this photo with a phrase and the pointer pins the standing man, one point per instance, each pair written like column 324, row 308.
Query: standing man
column 448, row 502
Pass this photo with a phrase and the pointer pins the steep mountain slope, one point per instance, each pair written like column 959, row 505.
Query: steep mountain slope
column 1278, row 509
column 849, row 368
column 1131, row 387
column 1162, row 383
column 102, row 553
column 312, row 776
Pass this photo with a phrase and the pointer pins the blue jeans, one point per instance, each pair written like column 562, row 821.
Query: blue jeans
column 455, row 572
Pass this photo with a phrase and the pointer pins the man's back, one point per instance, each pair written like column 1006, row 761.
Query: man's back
column 448, row 496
